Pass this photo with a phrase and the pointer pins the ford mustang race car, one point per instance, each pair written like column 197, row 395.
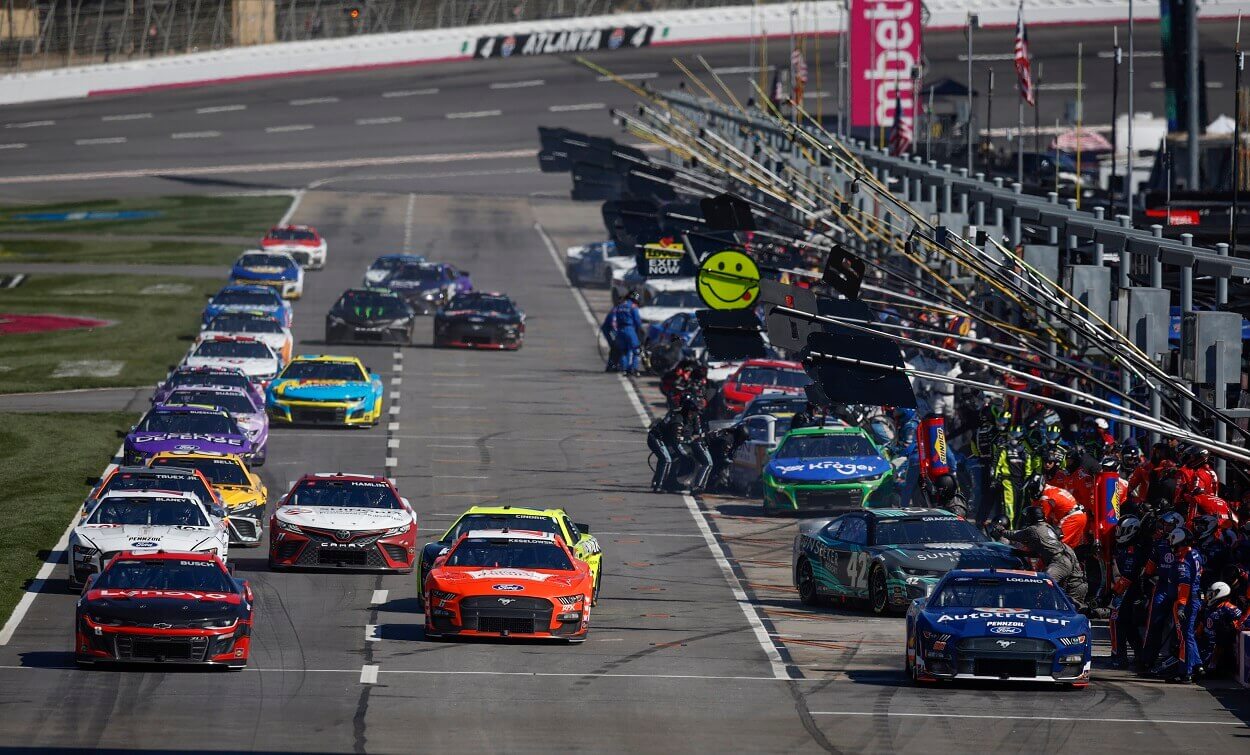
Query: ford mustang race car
column 278, row 270
column 325, row 390
column 132, row 520
column 207, row 377
column 248, row 299
column 346, row 521
column 827, row 469
column 249, row 415
column 158, row 607
column 998, row 624
column 253, row 357
column 144, row 479
column 480, row 320
column 184, row 428
column 508, row 583
column 242, row 491
column 888, row 557
column 428, row 285
column 556, row 521
column 258, row 325
column 370, row 315
column 300, row 241
column 383, row 266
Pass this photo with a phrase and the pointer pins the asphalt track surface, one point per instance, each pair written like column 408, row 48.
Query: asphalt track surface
column 687, row 652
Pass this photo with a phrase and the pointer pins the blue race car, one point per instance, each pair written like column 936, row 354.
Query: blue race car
column 318, row 389
column 277, row 269
column 383, row 266
column 997, row 625
column 832, row 468
column 248, row 299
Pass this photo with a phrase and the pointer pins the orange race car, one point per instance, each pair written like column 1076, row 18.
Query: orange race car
column 509, row 583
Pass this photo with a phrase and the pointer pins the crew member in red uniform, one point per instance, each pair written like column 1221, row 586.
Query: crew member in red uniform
column 1062, row 511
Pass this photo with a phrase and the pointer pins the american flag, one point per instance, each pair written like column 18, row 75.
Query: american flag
column 799, row 67
column 1023, row 68
column 900, row 132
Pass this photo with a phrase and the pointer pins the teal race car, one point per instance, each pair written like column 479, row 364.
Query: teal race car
column 318, row 389
column 827, row 469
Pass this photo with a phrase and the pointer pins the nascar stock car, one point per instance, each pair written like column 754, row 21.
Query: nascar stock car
column 159, row 607
column 142, row 479
column 428, row 285
column 370, row 315
column 247, row 413
column 508, row 583
column 594, row 263
column 479, row 320
column 206, row 377
column 756, row 376
column 258, row 325
column 382, row 267
column 277, row 270
column 556, row 521
column 241, row 490
column 325, row 390
column 343, row 521
column 302, row 242
column 184, row 428
column 827, row 469
column 888, row 557
column 123, row 521
column 250, row 355
column 248, row 299
column 998, row 624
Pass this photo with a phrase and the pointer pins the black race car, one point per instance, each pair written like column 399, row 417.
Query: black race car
column 163, row 607
column 480, row 320
column 363, row 314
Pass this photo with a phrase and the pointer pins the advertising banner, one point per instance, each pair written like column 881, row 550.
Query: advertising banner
column 553, row 42
column 885, row 47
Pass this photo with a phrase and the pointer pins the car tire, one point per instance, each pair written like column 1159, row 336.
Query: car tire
column 594, row 598
column 878, row 592
column 805, row 581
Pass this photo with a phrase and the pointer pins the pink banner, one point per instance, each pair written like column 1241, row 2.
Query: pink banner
column 885, row 47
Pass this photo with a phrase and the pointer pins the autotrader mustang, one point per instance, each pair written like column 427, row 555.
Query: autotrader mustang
column 325, row 390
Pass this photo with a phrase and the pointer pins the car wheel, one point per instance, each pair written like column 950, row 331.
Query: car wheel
column 878, row 594
column 806, row 580
column 594, row 598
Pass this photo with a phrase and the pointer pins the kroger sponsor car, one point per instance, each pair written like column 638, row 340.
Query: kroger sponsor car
column 184, row 428
column 250, row 355
column 826, row 469
column 248, row 299
column 325, row 390
column 302, row 242
column 134, row 520
column 998, row 624
column 278, row 270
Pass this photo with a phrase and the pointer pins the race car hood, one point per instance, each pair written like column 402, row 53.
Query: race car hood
column 237, row 495
column 337, row 518
column 275, row 341
column 322, row 390
column 407, row 285
column 835, row 470
column 250, row 366
column 1007, row 622
column 149, row 443
column 503, row 580
column 148, row 607
column 121, row 537
column 942, row 557
column 659, row 314
column 264, row 272
column 375, row 277
column 471, row 315
column 371, row 316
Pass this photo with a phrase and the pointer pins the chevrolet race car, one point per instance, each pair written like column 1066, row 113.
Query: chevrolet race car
column 206, row 377
column 325, row 390
column 249, row 415
column 144, row 479
column 556, row 521
column 345, row 521
column 428, row 285
column 159, row 607
column 134, row 520
column 370, row 315
column 259, row 325
column 184, row 428
column 480, row 320
column 302, row 242
column 278, row 270
column 757, row 376
column 252, row 356
column 998, row 625
column 248, row 299
column 827, row 469
column 888, row 557
column 664, row 297
column 594, row 263
column 383, row 266
column 244, row 495
column 508, row 583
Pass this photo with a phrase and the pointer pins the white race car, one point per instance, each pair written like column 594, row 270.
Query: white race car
column 664, row 297
column 141, row 520
column 301, row 241
column 250, row 355
column 256, row 325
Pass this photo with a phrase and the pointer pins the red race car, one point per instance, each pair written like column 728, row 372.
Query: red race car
column 509, row 583
column 300, row 241
column 757, row 376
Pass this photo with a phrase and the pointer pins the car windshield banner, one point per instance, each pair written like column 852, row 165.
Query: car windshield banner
column 885, row 47
column 564, row 40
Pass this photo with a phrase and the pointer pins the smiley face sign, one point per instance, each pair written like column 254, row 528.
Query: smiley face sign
column 728, row 280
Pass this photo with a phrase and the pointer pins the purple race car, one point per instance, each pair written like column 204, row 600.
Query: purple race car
column 240, row 404
column 203, row 377
column 184, row 428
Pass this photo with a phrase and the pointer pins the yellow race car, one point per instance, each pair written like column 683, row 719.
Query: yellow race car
column 576, row 536
column 318, row 389
column 244, row 495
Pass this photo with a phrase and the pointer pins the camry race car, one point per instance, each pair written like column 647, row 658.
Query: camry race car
column 381, row 268
column 428, row 285
column 159, row 607
column 325, row 390
column 888, row 557
column 247, row 413
column 556, row 521
column 124, row 521
column 206, row 377
column 242, row 491
column 258, row 325
column 184, row 428
column 827, row 469
column 248, row 299
column 345, row 521
column 144, row 479
column 252, row 356
column 278, row 270
column 302, row 242
column 370, row 315
column 480, row 320
column 998, row 624
column 508, row 583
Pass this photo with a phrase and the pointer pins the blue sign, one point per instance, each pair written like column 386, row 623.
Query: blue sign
column 66, row 217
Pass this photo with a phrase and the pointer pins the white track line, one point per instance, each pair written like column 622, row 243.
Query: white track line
column 314, row 101
column 14, row 145
column 219, row 109
column 397, row 380
column 392, row 427
column 371, row 633
column 286, row 129
column 100, row 140
column 290, row 211
column 127, row 117
column 409, row 93
column 517, row 84
column 30, row 124
column 715, row 547
column 575, row 108
column 378, row 121
column 392, row 443
column 195, row 135
column 368, row 674
column 630, row 77
column 475, row 114
column 1010, row 717
column 379, row 597
column 408, row 214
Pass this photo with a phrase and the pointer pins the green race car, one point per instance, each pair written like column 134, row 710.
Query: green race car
column 827, row 469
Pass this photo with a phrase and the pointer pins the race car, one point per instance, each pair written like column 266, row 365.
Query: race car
column 594, row 263
column 370, row 315
column 159, row 607
column 382, row 267
column 244, row 495
column 136, row 479
column 508, row 583
column 998, row 625
column 427, row 286
column 888, row 557
column 827, row 469
column 556, row 521
column 207, row 377
column 258, row 325
column 664, row 297
column 248, row 299
column 184, row 428
column 302, row 242
column 479, row 320
column 345, row 521
column 757, row 376
column 278, row 270
column 123, row 521
column 252, row 356
column 247, row 413
column 325, row 390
